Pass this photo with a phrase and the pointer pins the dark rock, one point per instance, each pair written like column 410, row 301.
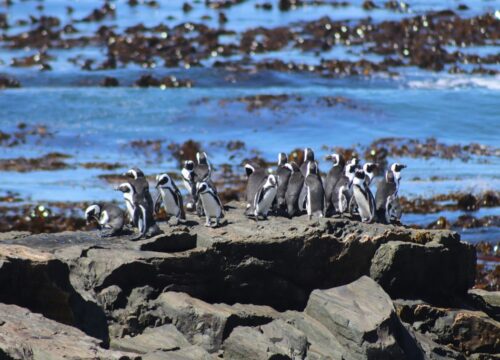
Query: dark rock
column 487, row 301
column 8, row 82
column 25, row 335
column 110, row 82
column 467, row 202
column 410, row 270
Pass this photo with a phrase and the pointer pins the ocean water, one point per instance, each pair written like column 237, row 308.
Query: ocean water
column 92, row 123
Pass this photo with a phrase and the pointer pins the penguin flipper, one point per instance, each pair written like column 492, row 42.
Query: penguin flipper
column 157, row 202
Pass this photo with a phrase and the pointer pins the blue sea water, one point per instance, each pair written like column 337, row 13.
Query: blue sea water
column 92, row 123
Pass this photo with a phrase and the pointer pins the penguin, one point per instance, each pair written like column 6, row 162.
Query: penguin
column 315, row 198
column 293, row 189
column 264, row 197
column 211, row 203
column 169, row 194
column 203, row 169
column 141, row 185
column 255, row 176
column 110, row 218
column 363, row 196
column 141, row 212
column 188, row 179
column 308, row 157
column 369, row 170
column 282, row 175
column 335, row 173
column 342, row 193
column 386, row 197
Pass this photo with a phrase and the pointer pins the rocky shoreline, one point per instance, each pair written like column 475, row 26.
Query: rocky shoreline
column 278, row 289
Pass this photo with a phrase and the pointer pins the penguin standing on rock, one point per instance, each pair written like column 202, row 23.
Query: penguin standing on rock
column 256, row 177
column 363, row 196
column 387, row 204
column 188, row 178
column 282, row 176
column 315, row 198
column 110, row 218
column 202, row 173
column 294, row 188
column 369, row 174
column 170, row 196
column 264, row 197
column 342, row 193
column 212, row 206
column 333, row 176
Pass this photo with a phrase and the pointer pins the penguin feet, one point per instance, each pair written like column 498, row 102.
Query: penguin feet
column 173, row 221
column 153, row 231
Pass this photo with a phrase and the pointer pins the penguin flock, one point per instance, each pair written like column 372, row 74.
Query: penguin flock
column 289, row 191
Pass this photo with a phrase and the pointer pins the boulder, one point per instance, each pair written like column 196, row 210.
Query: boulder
column 363, row 319
column 26, row 335
column 438, row 271
column 276, row 340
column 487, row 301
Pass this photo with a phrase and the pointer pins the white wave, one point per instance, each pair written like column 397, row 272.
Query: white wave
column 490, row 83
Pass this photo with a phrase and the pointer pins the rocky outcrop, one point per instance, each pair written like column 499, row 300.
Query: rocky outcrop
column 280, row 288
column 25, row 335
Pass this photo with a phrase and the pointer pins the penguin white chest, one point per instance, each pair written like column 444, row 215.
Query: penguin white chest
column 104, row 218
column 169, row 202
column 210, row 205
column 262, row 207
column 129, row 204
column 365, row 207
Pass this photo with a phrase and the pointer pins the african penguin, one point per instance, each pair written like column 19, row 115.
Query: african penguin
column 255, row 176
column 212, row 205
column 364, row 198
column 188, row 179
column 386, row 197
column 332, row 177
column 141, row 213
column 264, row 197
column 294, row 187
column 202, row 169
column 282, row 175
column 141, row 185
column 110, row 218
column 315, row 198
column 308, row 157
column 170, row 196
column 369, row 170
column 342, row 193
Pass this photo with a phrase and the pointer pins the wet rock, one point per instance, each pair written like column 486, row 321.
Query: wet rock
column 110, row 82
column 487, row 301
column 8, row 82
column 51, row 161
column 274, row 340
column 24, row 334
column 467, row 202
column 440, row 223
column 186, row 7
column 401, row 267
column 369, row 5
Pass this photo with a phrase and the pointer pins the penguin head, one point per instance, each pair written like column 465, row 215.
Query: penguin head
column 249, row 169
column 163, row 180
column 359, row 177
column 308, row 154
column 202, row 158
column 350, row 170
column 126, row 188
column 312, row 168
column 134, row 173
column 189, row 165
column 282, row 159
column 202, row 187
column 270, row 182
column 354, row 161
column 369, row 169
column 396, row 170
column 335, row 158
column 92, row 212
column 292, row 165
